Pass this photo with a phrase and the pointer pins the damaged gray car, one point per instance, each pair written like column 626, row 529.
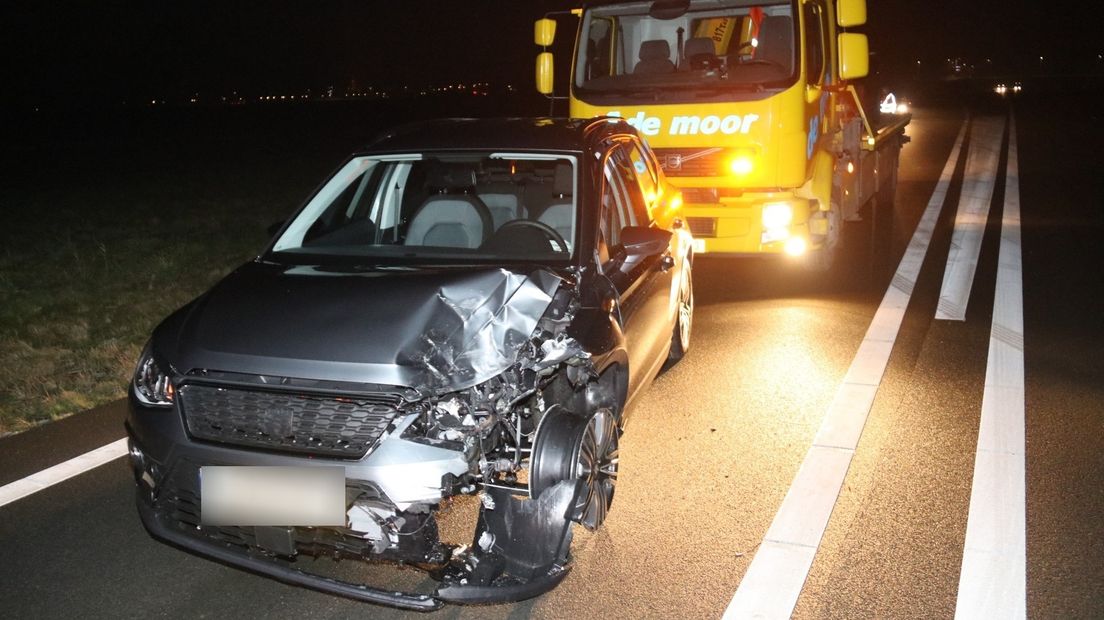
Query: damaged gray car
column 465, row 311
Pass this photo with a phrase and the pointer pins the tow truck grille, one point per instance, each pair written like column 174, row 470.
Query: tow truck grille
column 702, row 226
column 692, row 162
column 321, row 425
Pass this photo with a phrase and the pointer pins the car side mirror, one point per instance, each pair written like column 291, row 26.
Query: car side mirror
column 275, row 227
column 641, row 241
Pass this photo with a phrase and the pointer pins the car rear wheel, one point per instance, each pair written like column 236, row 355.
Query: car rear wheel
column 583, row 448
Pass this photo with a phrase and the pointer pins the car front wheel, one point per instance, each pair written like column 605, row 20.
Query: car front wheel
column 583, row 448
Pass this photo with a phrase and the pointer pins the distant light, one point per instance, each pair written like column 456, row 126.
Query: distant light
column 902, row 108
column 754, row 42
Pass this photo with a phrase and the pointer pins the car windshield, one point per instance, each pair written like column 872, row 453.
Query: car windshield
column 440, row 207
column 716, row 45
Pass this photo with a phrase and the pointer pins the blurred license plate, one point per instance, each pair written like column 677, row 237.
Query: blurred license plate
column 699, row 246
column 272, row 495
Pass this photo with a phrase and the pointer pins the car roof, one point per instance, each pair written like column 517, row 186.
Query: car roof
column 525, row 134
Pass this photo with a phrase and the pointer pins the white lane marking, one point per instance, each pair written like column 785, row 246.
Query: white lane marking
column 62, row 471
column 993, row 581
column 973, row 213
column 773, row 582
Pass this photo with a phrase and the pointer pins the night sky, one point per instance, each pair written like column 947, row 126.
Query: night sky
column 112, row 51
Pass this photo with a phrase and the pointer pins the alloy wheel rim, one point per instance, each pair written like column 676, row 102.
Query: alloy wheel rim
column 596, row 466
column 686, row 312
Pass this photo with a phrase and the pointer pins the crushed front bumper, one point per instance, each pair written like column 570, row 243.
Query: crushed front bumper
column 528, row 555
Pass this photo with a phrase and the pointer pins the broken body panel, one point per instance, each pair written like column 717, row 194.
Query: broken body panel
column 422, row 382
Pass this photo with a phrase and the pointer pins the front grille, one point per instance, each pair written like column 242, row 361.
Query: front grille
column 700, row 195
column 692, row 162
column 702, row 226
column 322, row 425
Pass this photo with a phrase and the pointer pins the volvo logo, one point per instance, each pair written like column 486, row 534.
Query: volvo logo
column 674, row 161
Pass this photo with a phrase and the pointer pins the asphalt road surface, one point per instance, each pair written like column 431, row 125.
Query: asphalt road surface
column 712, row 451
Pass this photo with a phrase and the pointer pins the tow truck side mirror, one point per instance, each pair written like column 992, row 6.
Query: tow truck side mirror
column 854, row 56
column 544, row 33
column 544, row 73
column 851, row 13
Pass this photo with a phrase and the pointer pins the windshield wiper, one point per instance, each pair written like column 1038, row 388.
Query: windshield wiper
column 718, row 89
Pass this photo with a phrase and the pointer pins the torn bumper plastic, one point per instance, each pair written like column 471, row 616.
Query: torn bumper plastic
column 528, row 555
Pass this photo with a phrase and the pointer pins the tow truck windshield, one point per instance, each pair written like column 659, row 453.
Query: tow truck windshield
column 717, row 48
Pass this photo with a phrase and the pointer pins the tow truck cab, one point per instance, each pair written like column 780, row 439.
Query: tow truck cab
column 749, row 106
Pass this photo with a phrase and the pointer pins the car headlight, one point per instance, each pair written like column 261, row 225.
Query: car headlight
column 151, row 385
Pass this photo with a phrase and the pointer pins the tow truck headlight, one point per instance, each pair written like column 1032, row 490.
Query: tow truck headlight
column 796, row 246
column 152, row 386
column 777, row 215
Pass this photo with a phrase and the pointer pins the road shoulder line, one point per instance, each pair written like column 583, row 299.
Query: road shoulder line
column 61, row 472
column 774, row 580
column 993, row 581
column 970, row 220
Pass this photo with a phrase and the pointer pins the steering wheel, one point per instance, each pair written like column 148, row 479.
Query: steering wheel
column 548, row 231
column 745, row 49
column 759, row 61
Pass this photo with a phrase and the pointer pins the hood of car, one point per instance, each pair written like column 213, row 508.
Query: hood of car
column 446, row 328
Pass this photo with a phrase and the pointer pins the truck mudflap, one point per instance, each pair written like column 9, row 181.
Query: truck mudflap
column 521, row 550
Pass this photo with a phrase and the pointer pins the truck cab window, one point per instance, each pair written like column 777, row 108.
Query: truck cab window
column 814, row 43
column 598, row 49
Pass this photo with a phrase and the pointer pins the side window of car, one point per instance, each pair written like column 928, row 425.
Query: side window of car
column 624, row 170
column 645, row 173
column 613, row 208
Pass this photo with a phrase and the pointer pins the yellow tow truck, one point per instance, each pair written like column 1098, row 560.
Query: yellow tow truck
column 750, row 109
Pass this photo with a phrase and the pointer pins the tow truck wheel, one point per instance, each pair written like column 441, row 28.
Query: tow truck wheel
column 574, row 447
column 822, row 259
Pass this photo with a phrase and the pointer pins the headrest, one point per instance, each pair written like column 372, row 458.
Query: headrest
column 655, row 49
column 699, row 45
